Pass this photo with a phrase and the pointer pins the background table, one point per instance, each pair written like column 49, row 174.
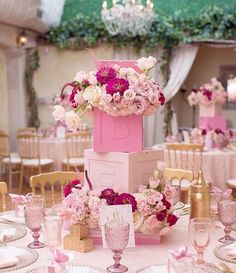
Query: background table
column 134, row 258
column 217, row 165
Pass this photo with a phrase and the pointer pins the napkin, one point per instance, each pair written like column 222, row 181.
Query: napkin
column 9, row 256
column 7, row 233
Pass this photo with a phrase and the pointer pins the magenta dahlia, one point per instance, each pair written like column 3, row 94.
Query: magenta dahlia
column 124, row 199
column 73, row 184
column 109, row 195
column 117, row 85
column 172, row 219
column 105, row 74
column 161, row 98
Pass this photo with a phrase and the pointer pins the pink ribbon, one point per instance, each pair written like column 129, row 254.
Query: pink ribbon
column 17, row 199
column 226, row 193
column 180, row 253
column 58, row 261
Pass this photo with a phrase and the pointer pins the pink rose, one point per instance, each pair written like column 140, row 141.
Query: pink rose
column 106, row 98
column 141, row 188
column 129, row 94
column 146, row 63
column 169, row 192
column 139, row 105
column 116, row 96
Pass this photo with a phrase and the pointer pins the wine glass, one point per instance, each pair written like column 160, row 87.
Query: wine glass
column 199, row 232
column 214, row 197
column 227, row 216
column 117, row 238
column 34, row 215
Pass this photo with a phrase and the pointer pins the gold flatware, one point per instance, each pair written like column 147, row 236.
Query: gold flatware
column 226, row 268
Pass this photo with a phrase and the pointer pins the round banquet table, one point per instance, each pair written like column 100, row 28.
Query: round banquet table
column 217, row 165
column 135, row 258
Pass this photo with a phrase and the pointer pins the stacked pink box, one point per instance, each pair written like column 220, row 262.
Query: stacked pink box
column 210, row 117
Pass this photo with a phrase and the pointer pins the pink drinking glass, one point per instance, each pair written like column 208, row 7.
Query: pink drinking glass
column 34, row 215
column 117, row 238
column 227, row 216
column 199, row 231
column 52, row 226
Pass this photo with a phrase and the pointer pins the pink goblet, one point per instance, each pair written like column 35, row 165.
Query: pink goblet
column 227, row 216
column 199, row 231
column 117, row 238
column 34, row 215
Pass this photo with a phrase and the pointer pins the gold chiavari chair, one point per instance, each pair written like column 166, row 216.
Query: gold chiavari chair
column 29, row 152
column 187, row 156
column 3, row 192
column 76, row 143
column 184, row 179
column 44, row 179
column 28, row 130
column 9, row 161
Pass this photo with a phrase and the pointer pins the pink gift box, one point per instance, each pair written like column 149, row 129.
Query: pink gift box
column 117, row 134
column 124, row 171
column 140, row 238
column 212, row 123
column 214, row 110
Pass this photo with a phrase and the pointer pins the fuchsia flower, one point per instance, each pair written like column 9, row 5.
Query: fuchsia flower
column 124, row 199
column 204, row 132
column 161, row 98
column 207, row 93
column 69, row 186
column 219, row 131
column 109, row 195
column 105, row 74
column 117, row 85
column 172, row 219
column 161, row 215
column 166, row 203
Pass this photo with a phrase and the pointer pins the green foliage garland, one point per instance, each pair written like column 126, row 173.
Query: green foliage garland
column 32, row 64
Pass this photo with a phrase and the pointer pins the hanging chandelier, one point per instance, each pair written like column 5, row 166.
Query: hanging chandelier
column 128, row 17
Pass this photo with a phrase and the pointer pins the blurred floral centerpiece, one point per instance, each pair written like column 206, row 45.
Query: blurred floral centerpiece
column 208, row 94
column 152, row 205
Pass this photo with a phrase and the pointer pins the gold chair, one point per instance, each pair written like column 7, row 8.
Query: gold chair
column 29, row 151
column 186, row 156
column 9, row 161
column 62, row 178
column 184, row 178
column 76, row 143
column 28, row 130
column 3, row 191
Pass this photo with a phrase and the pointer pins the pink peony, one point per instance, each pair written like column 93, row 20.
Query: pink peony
column 105, row 74
column 117, row 85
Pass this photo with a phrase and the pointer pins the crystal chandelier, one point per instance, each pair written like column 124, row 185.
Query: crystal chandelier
column 128, row 17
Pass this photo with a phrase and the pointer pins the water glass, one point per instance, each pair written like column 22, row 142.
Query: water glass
column 200, row 231
column 52, row 226
column 227, row 216
column 34, row 215
column 117, row 238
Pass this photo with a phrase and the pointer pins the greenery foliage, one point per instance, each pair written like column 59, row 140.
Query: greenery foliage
column 32, row 64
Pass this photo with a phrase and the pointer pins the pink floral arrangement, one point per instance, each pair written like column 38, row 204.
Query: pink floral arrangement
column 208, row 94
column 218, row 137
column 115, row 90
column 152, row 205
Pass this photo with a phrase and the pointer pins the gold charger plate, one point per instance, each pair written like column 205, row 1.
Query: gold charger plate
column 20, row 232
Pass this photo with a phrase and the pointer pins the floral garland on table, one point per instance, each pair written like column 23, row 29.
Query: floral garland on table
column 152, row 205
column 208, row 94
column 115, row 90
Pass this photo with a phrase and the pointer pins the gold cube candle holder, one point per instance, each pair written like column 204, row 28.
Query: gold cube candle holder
column 74, row 243
column 79, row 230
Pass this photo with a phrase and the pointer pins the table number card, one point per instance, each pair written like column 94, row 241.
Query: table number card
column 186, row 136
column 117, row 213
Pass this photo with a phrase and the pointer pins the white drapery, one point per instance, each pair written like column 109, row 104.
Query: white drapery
column 180, row 66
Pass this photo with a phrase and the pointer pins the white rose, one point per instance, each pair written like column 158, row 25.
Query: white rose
column 58, row 113
column 92, row 93
column 80, row 76
column 79, row 98
column 146, row 63
column 72, row 121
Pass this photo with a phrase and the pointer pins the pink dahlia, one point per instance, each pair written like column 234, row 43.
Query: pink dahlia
column 117, row 85
column 105, row 74
column 124, row 199
column 109, row 195
column 73, row 184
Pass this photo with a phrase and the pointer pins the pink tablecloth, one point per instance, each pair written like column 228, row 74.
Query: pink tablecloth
column 134, row 258
column 218, row 166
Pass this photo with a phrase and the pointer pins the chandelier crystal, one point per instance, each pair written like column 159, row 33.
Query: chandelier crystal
column 128, row 17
